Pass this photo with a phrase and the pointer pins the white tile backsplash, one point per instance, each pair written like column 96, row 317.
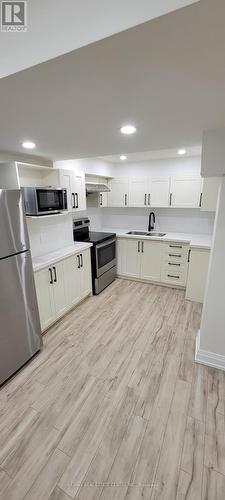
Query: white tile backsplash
column 49, row 233
column 171, row 220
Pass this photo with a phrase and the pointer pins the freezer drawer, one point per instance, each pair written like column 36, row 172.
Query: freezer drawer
column 20, row 331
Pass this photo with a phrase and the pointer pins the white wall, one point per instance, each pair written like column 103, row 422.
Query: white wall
column 212, row 336
column 213, row 153
column 49, row 233
column 169, row 166
column 92, row 166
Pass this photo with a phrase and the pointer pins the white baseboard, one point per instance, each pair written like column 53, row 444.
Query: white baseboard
column 208, row 358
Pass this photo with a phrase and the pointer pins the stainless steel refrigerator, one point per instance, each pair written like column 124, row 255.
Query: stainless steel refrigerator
column 20, row 331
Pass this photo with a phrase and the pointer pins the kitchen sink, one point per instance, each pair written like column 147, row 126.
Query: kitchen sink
column 147, row 233
column 138, row 233
column 154, row 233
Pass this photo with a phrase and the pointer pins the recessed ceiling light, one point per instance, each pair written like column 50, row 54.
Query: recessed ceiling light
column 128, row 129
column 29, row 145
column 181, row 151
column 123, row 157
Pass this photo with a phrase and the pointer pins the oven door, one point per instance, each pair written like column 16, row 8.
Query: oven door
column 49, row 200
column 105, row 256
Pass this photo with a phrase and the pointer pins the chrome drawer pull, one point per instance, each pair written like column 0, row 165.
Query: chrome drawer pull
column 174, row 255
column 171, row 276
column 176, row 246
column 173, row 264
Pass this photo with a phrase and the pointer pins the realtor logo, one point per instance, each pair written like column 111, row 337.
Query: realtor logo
column 13, row 16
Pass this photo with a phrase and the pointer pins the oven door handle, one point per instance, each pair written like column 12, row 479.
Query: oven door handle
column 105, row 243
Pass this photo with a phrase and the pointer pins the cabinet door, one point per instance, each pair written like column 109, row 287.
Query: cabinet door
column 151, row 252
column 103, row 199
column 79, row 193
column 85, row 274
column 186, row 192
column 72, row 279
column 128, row 254
column 197, row 274
column 66, row 181
column 59, row 290
column 159, row 192
column 118, row 196
column 45, row 298
column 210, row 192
column 138, row 192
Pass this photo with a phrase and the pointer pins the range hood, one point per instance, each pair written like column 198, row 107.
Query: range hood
column 96, row 187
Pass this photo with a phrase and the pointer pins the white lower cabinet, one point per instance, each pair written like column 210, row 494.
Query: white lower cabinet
column 139, row 259
column 197, row 274
column 151, row 252
column 59, row 290
column 62, row 285
column 45, row 297
column 154, row 261
column 128, row 257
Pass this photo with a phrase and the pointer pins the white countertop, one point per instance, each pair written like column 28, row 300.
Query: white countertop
column 194, row 240
column 50, row 258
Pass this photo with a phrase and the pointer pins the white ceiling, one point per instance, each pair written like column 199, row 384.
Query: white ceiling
column 153, row 155
column 59, row 26
column 167, row 76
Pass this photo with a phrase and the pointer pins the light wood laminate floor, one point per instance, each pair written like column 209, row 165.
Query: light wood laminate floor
column 114, row 407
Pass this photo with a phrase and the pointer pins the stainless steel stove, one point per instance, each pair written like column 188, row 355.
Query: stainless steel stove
column 103, row 253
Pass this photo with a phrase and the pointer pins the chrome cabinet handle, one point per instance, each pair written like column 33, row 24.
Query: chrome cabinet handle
column 174, row 255
column 139, row 247
column 51, row 278
column 125, row 199
column 142, row 247
column 101, row 200
column 78, row 256
column 149, row 198
column 171, row 199
column 145, row 199
column 81, row 260
column 55, row 275
column 175, row 246
column 77, row 203
column 73, row 202
column 173, row 264
column 172, row 276
column 200, row 201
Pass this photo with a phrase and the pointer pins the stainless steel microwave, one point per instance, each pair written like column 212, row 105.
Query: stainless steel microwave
column 44, row 200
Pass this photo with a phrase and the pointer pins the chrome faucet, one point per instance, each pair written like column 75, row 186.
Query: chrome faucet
column 150, row 223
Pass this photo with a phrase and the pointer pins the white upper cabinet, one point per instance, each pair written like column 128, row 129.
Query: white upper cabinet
column 66, row 181
column 185, row 192
column 138, row 192
column 159, row 191
column 75, row 185
column 210, row 192
column 79, row 193
column 119, row 192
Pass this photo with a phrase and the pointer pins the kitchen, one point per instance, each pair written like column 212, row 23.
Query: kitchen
column 111, row 264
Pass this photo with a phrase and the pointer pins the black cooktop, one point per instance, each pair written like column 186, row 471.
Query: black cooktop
column 97, row 237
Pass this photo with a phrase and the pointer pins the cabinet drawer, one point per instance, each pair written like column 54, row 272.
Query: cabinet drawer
column 174, row 276
column 175, row 252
